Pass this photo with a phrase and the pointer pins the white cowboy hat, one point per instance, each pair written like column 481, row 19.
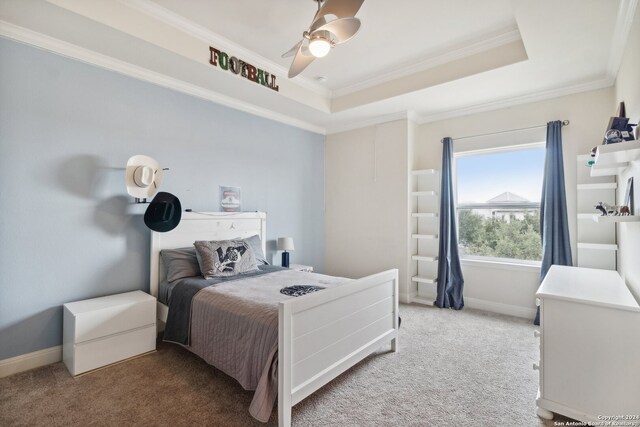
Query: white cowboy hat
column 143, row 176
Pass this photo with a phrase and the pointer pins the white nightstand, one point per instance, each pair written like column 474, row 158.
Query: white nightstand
column 300, row 267
column 101, row 331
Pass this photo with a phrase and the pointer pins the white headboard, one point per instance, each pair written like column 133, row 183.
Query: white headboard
column 204, row 226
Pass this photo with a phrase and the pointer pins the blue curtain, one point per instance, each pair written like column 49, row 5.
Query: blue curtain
column 554, row 226
column 450, row 280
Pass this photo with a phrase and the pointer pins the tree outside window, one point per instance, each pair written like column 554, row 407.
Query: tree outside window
column 499, row 204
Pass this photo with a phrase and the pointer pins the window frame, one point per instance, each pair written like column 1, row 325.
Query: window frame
column 530, row 205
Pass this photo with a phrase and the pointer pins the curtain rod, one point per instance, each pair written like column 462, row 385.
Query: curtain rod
column 564, row 123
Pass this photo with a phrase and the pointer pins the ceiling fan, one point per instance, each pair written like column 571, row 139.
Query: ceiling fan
column 324, row 34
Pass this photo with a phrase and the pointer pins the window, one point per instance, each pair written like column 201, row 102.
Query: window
column 498, row 194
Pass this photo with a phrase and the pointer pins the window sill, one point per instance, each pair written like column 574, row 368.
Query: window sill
column 501, row 265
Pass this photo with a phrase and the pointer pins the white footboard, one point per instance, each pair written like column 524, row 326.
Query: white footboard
column 321, row 335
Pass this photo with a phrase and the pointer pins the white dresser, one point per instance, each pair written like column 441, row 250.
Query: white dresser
column 589, row 346
column 101, row 331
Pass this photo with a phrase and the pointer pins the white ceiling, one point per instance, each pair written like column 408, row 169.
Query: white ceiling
column 393, row 33
column 425, row 59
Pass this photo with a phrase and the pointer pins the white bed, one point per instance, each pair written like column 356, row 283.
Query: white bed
column 364, row 312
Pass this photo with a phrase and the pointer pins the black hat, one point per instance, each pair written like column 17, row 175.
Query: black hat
column 164, row 212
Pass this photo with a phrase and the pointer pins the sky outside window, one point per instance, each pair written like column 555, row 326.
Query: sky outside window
column 484, row 176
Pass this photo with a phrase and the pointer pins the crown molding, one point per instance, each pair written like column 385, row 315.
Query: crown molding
column 518, row 100
column 359, row 124
column 187, row 26
column 451, row 53
column 624, row 20
column 42, row 41
column 475, row 109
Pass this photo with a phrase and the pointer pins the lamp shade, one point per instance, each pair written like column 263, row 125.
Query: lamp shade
column 285, row 243
column 319, row 47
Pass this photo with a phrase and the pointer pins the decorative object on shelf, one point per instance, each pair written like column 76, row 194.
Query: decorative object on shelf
column 285, row 244
column 608, row 210
column 164, row 213
column 613, row 136
column 601, row 208
column 592, row 153
column 143, row 176
column 628, row 197
column 619, row 129
column 230, row 199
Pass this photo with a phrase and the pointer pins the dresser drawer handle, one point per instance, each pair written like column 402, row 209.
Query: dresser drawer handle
column 536, row 367
column 536, row 333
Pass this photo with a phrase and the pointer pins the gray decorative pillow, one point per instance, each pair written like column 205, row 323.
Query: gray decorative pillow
column 256, row 245
column 224, row 258
column 180, row 263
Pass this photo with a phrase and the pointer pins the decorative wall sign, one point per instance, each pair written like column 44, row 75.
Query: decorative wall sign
column 244, row 69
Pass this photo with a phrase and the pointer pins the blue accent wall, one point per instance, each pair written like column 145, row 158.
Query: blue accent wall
column 68, row 229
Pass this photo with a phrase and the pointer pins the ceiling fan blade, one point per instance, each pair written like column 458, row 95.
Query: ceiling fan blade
column 292, row 51
column 300, row 62
column 339, row 8
column 342, row 29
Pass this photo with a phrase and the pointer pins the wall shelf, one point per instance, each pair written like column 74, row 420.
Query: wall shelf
column 421, row 279
column 424, row 258
column 611, row 159
column 598, row 246
column 423, row 212
column 600, row 186
column 424, row 215
column 596, row 217
column 424, row 236
column 424, row 172
column 588, row 216
column 608, row 170
column 619, row 218
column 596, row 242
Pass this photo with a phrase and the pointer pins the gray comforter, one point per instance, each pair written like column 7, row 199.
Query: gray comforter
column 234, row 327
column 178, row 295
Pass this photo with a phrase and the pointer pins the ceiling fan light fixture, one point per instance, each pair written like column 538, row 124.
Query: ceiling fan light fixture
column 319, row 46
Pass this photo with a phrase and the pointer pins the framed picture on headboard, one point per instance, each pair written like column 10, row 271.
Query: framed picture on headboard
column 230, row 199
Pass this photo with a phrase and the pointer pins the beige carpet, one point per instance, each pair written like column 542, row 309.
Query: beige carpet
column 466, row 368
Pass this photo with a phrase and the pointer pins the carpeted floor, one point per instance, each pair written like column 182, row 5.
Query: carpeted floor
column 466, row 368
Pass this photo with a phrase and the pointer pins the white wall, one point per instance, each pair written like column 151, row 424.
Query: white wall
column 627, row 89
column 366, row 193
column 489, row 286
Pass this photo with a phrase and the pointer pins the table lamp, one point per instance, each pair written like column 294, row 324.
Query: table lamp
column 285, row 244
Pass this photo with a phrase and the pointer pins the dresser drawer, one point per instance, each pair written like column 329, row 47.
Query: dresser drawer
column 102, row 331
column 86, row 356
column 100, row 317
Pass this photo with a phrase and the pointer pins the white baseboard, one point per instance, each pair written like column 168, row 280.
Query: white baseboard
column 422, row 300
column 485, row 305
column 406, row 298
column 28, row 361
column 498, row 307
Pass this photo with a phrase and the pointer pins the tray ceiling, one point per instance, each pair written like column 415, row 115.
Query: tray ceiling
column 421, row 59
